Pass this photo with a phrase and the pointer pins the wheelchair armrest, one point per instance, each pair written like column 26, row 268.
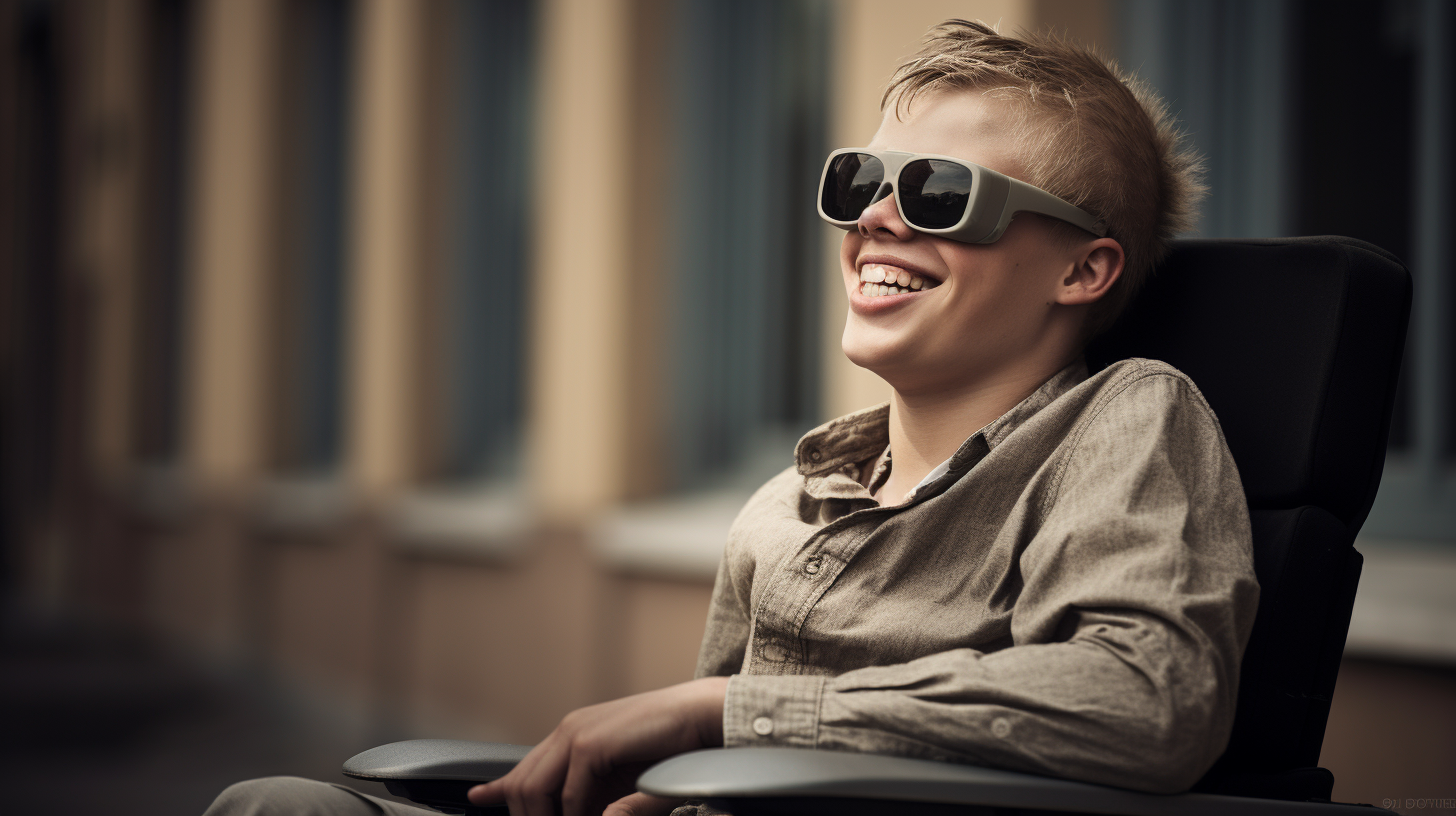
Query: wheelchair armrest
column 773, row 778
column 436, row 772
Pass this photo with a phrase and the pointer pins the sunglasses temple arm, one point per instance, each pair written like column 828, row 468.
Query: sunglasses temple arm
column 1023, row 197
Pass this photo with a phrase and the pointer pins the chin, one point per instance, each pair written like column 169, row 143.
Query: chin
column 880, row 358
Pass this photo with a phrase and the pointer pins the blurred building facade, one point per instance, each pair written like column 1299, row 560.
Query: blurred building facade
column 419, row 352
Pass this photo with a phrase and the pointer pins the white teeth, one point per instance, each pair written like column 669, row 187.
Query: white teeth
column 896, row 281
column 875, row 273
column 870, row 289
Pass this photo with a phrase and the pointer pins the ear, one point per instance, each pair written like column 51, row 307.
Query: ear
column 1096, row 265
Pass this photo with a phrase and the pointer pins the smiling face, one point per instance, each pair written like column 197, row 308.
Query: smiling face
column 932, row 313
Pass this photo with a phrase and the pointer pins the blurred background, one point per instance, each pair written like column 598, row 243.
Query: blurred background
column 375, row 369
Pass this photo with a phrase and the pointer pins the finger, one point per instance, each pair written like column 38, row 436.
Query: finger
column 489, row 793
column 641, row 804
column 494, row 792
column 593, row 782
column 582, row 791
column 532, row 757
column 536, row 790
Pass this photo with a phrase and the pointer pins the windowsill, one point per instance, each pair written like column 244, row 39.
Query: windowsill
column 679, row 537
column 1406, row 605
column 1412, row 505
column 302, row 503
column 160, row 493
column 490, row 521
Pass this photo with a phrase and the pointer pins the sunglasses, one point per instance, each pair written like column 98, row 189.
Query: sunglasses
column 937, row 195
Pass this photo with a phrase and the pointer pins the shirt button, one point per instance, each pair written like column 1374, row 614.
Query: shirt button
column 1001, row 727
column 774, row 653
column 812, row 567
column 763, row 726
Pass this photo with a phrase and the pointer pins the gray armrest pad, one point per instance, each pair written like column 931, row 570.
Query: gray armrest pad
column 728, row 773
column 436, row 759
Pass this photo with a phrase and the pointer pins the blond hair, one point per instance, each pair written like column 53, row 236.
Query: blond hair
column 1097, row 138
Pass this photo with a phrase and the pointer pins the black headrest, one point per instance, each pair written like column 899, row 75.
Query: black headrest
column 1296, row 343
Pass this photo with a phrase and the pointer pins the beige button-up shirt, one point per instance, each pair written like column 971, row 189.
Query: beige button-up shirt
column 1070, row 597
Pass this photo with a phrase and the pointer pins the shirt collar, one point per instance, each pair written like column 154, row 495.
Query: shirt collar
column 831, row 455
column 851, row 439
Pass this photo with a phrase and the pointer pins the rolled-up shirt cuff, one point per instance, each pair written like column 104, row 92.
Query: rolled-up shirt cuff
column 772, row 709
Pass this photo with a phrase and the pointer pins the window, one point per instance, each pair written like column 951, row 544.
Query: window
column 1225, row 70
column 1387, row 117
column 480, row 297
column 749, row 98
column 307, row 351
column 1251, row 79
column 158, row 392
column 473, row 280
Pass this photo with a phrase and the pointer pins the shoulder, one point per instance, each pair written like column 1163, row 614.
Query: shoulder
column 1138, row 381
column 1144, row 394
column 1141, row 413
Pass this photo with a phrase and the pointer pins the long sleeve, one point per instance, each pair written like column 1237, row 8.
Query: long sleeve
column 1128, row 589
column 725, row 638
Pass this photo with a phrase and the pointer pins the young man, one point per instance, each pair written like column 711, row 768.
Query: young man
column 1012, row 563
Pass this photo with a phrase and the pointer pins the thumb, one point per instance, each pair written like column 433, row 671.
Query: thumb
column 640, row 804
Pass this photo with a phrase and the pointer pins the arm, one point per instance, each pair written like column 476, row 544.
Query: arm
column 591, row 761
column 1137, row 597
column 595, row 755
column 725, row 638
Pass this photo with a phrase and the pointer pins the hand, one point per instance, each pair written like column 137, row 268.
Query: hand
column 593, row 758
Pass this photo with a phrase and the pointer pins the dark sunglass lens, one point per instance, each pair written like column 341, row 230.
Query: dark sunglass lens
column 849, row 185
column 934, row 193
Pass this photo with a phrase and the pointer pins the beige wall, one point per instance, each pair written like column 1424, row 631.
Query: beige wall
column 231, row 244
column 580, row 285
column 387, row 244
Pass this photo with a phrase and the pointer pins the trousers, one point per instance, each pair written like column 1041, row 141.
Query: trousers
column 293, row 796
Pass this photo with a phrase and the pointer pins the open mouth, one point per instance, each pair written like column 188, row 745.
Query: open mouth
column 877, row 280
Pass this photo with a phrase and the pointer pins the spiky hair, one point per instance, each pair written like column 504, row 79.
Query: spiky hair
column 1093, row 135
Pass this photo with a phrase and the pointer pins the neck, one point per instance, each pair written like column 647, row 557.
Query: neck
column 927, row 427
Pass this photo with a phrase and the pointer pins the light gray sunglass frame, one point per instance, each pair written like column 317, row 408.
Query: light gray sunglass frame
column 994, row 199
